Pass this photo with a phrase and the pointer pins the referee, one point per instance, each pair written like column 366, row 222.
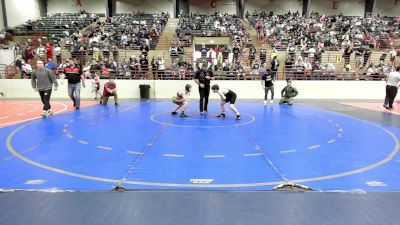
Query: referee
column 392, row 82
column 203, row 78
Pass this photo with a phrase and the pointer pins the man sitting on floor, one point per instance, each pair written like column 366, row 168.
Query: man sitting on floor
column 288, row 93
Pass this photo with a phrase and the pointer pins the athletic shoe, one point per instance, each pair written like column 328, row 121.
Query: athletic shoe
column 265, row 102
column 238, row 117
column 205, row 112
column 44, row 113
column 77, row 108
column 201, row 113
column 222, row 115
column 271, row 101
column 183, row 115
column 49, row 113
column 386, row 106
column 174, row 113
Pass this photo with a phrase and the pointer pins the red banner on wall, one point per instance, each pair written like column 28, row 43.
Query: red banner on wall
column 213, row 3
column 78, row 3
column 335, row 4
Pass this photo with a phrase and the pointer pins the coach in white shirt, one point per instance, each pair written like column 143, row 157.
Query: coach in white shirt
column 392, row 83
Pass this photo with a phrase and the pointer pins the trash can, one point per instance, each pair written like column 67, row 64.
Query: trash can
column 144, row 91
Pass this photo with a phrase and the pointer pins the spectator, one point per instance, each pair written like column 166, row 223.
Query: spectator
column 51, row 65
column 57, row 53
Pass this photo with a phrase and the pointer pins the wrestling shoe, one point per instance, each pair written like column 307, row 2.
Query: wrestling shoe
column 222, row 115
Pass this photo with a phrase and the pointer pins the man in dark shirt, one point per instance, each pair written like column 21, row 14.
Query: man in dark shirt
column 225, row 52
column 235, row 51
column 288, row 93
column 267, row 81
column 204, row 51
column 263, row 54
column 367, row 54
column 144, row 66
column 74, row 75
column 202, row 78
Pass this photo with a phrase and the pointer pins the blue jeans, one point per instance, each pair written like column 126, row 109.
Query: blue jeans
column 74, row 92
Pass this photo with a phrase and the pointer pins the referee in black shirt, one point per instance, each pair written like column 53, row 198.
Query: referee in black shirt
column 202, row 78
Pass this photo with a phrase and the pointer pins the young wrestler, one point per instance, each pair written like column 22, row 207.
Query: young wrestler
column 182, row 100
column 96, row 85
column 226, row 96
column 110, row 89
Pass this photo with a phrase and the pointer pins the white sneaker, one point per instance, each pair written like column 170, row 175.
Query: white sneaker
column 271, row 101
column 49, row 113
column 265, row 102
column 44, row 113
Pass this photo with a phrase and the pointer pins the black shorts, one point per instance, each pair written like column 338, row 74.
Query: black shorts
column 230, row 97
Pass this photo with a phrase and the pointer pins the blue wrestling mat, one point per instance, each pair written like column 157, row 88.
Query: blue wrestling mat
column 141, row 146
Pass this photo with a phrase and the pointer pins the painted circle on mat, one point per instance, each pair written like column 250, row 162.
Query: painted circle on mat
column 202, row 121
column 376, row 164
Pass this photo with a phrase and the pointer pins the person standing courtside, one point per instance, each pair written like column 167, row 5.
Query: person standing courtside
column 203, row 78
column 267, row 82
column 392, row 83
column 42, row 81
column 74, row 76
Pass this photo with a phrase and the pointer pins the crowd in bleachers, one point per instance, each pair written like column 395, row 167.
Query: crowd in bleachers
column 214, row 25
column 220, row 59
column 329, row 32
column 133, row 31
column 55, row 26
column 306, row 38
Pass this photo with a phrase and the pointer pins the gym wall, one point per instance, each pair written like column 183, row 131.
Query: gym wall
column 210, row 6
column 18, row 12
column 70, row 6
column 387, row 8
column 335, row 7
column 149, row 6
column 278, row 7
column 1, row 18
column 165, row 89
